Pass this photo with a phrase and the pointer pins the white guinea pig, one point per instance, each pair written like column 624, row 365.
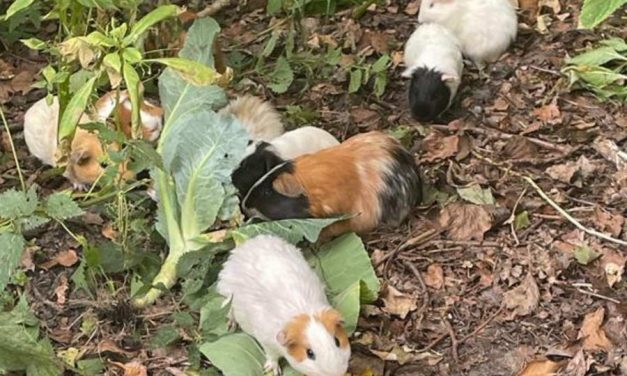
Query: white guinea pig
column 433, row 61
column 277, row 298
column 259, row 118
column 485, row 28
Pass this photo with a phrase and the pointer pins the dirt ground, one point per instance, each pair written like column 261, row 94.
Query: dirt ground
column 466, row 289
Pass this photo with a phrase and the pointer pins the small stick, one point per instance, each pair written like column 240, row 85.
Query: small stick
column 482, row 325
column 451, row 333
column 512, row 217
column 572, row 220
column 425, row 296
column 433, row 343
column 615, row 301
column 213, row 8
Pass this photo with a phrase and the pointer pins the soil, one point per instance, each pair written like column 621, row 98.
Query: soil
column 466, row 289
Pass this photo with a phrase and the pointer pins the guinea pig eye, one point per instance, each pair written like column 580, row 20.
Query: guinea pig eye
column 311, row 355
column 337, row 341
column 103, row 164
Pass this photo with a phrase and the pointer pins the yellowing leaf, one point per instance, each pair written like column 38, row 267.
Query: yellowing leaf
column 194, row 72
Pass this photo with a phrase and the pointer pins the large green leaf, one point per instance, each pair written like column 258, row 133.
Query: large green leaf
column 347, row 303
column 60, row 205
column 202, row 152
column 235, row 355
column 11, row 247
column 292, row 230
column 20, row 350
column 597, row 56
column 159, row 14
column 75, row 109
column 596, row 11
column 178, row 96
column 17, row 6
column 342, row 262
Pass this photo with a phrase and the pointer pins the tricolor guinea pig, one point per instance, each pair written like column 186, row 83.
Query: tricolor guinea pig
column 41, row 125
column 261, row 156
column 433, row 62
column 277, row 298
column 259, row 118
column 86, row 152
column 369, row 177
column 485, row 28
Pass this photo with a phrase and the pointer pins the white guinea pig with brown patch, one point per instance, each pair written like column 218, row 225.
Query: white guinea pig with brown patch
column 277, row 298
column 259, row 118
column 369, row 177
column 485, row 28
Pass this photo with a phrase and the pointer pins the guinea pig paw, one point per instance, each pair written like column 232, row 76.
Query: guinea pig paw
column 80, row 187
column 272, row 365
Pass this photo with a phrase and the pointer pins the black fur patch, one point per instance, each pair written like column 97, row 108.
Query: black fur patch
column 274, row 205
column 428, row 94
column 253, row 167
column 403, row 188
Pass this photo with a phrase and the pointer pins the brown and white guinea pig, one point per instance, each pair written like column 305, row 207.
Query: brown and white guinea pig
column 261, row 156
column 84, row 164
column 433, row 63
column 277, row 298
column 485, row 28
column 369, row 177
column 258, row 117
column 41, row 125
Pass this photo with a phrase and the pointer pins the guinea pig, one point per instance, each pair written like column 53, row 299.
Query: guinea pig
column 485, row 28
column 369, row 177
column 85, row 161
column 279, row 300
column 259, row 118
column 261, row 156
column 433, row 62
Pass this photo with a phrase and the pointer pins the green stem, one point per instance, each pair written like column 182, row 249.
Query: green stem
column 166, row 278
column 17, row 162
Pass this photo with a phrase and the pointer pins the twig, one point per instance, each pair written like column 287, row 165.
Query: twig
column 454, row 343
column 425, row 295
column 213, row 8
column 466, row 243
column 512, row 218
column 17, row 162
column 615, row 301
column 482, row 325
column 572, row 220
column 433, row 343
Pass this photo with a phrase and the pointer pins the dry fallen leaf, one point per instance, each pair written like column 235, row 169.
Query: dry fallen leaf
column 611, row 152
column 549, row 113
column 434, row 277
column 465, row 221
column 61, row 290
column 592, row 333
column 108, row 231
column 553, row 4
column 565, row 172
column 64, row 258
column 363, row 116
column 27, row 258
column 578, row 365
column 412, row 8
column 523, row 299
column 542, row 367
column 378, row 41
column 613, row 264
column 397, row 303
column 133, row 368
column 612, row 223
column 437, row 146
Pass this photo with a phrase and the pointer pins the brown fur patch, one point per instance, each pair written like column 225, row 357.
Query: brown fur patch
column 332, row 320
column 293, row 337
column 288, row 185
column 346, row 179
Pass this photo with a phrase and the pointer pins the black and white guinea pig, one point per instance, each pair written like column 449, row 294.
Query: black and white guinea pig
column 369, row 177
column 433, row 63
column 261, row 156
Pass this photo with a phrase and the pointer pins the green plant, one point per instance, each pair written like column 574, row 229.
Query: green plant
column 601, row 70
column 594, row 12
column 362, row 72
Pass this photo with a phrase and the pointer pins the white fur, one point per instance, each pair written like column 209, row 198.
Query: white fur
column 485, row 28
column 433, row 46
column 259, row 118
column 297, row 142
column 269, row 283
column 40, row 130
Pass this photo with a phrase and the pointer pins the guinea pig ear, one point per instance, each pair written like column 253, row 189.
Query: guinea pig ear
column 407, row 72
column 450, row 78
column 283, row 339
column 80, row 156
column 287, row 185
